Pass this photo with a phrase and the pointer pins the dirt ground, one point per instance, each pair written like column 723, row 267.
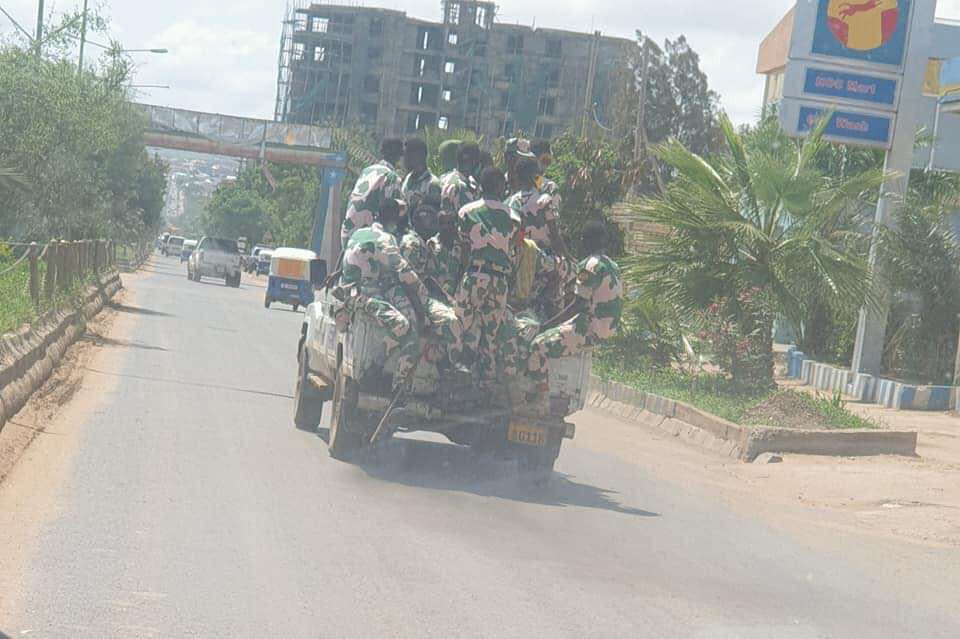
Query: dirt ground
column 900, row 499
column 31, row 422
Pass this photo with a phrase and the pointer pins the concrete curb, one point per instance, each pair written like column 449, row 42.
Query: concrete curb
column 870, row 389
column 29, row 356
column 742, row 442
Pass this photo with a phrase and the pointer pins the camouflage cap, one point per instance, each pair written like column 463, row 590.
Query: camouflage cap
column 519, row 147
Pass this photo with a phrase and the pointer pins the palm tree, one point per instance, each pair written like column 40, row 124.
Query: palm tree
column 759, row 217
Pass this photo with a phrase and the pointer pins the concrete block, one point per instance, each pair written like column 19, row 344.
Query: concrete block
column 834, row 443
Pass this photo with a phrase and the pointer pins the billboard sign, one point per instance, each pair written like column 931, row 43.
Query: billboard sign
column 949, row 86
column 848, row 126
column 855, row 87
column 872, row 31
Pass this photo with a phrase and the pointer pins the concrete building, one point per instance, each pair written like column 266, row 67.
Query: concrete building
column 772, row 61
column 381, row 69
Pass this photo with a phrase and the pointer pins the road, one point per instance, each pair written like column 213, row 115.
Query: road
column 173, row 498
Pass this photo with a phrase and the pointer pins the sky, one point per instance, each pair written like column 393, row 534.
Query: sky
column 223, row 53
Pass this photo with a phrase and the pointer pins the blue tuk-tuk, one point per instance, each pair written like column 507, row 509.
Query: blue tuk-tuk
column 289, row 281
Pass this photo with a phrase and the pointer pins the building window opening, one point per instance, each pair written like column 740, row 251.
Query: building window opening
column 319, row 25
column 420, row 94
column 422, row 67
column 449, row 67
column 515, row 44
column 481, row 20
column 425, row 40
column 376, row 27
column 298, row 51
column 443, row 123
column 453, row 38
column 416, row 122
column 300, row 22
column 553, row 48
column 319, row 54
column 453, row 13
column 447, row 95
column 547, row 106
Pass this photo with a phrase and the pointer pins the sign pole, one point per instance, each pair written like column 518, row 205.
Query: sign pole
column 872, row 325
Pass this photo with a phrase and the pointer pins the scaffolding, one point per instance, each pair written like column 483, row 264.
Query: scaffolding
column 284, row 70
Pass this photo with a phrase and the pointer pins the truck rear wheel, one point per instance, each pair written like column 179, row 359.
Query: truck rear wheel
column 345, row 418
column 308, row 407
column 541, row 459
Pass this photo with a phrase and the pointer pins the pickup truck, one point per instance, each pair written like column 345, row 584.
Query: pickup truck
column 346, row 367
column 215, row 257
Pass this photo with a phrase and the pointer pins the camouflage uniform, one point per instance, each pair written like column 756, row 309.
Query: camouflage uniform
column 457, row 190
column 446, row 264
column 417, row 190
column 373, row 262
column 482, row 297
column 377, row 183
column 537, row 209
column 598, row 283
column 443, row 318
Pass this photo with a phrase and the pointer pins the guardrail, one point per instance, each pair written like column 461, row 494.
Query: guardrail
column 65, row 264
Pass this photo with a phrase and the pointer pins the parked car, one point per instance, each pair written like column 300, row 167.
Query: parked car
column 216, row 257
column 173, row 245
column 187, row 250
column 250, row 263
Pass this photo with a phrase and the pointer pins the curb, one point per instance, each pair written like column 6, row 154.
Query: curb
column 742, row 442
column 869, row 388
column 29, row 355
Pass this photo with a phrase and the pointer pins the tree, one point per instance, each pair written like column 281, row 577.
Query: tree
column 739, row 237
column 76, row 142
column 679, row 103
column 924, row 254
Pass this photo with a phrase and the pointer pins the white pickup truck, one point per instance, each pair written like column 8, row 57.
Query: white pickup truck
column 347, row 367
column 216, row 257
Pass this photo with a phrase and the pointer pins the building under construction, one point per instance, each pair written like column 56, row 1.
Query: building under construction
column 383, row 70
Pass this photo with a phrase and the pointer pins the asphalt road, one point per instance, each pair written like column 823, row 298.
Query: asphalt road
column 189, row 506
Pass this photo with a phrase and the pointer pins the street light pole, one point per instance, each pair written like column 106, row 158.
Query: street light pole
column 39, row 37
column 83, row 36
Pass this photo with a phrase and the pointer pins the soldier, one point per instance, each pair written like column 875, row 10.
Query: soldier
column 540, row 223
column 513, row 150
column 446, row 254
column 537, row 211
column 390, row 292
column 443, row 318
column 592, row 317
column 487, row 229
column 541, row 149
column 420, row 186
column 377, row 183
column 448, row 155
column 459, row 187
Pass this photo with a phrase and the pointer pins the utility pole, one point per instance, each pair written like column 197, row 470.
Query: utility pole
column 640, row 131
column 39, row 36
column 83, row 36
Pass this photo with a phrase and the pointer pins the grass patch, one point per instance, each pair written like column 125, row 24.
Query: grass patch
column 714, row 393
column 709, row 392
column 16, row 308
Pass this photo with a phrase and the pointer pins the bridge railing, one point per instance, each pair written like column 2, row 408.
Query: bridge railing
column 231, row 129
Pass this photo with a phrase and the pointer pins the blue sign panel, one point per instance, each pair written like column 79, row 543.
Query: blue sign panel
column 868, row 30
column 850, row 86
column 855, row 127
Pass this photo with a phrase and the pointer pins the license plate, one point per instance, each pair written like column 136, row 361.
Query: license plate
column 288, row 287
column 526, row 434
